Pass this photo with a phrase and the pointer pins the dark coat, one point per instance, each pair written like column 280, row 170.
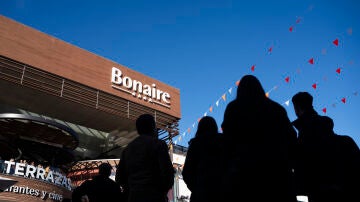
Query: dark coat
column 327, row 164
column 100, row 188
column 145, row 170
column 202, row 168
column 260, row 148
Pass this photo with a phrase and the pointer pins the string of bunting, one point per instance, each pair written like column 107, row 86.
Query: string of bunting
column 289, row 78
column 223, row 97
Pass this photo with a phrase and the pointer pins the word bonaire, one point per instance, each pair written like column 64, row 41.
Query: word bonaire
column 136, row 86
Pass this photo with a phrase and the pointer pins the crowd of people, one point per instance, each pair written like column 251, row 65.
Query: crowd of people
column 259, row 156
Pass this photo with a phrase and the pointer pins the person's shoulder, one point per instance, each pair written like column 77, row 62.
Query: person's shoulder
column 274, row 104
column 275, row 107
column 84, row 186
column 87, row 182
column 160, row 146
column 159, row 142
column 345, row 138
column 234, row 103
column 124, row 151
column 91, row 183
column 196, row 142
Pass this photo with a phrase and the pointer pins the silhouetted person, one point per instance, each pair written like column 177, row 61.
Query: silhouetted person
column 328, row 165
column 100, row 188
column 145, row 170
column 202, row 168
column 259, row 145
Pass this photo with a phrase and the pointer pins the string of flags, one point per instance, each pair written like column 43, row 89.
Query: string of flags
column 311, row 61
column 338, row 70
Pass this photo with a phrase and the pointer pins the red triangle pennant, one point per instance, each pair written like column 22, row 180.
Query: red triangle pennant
column 324, row 110
column 287, row 79
column 291, row 28
column 253, row 68
column 311, row 61
column 338, row 70
column 270, row 49
column 314, row 86
column 336, row 42
column 343, row 100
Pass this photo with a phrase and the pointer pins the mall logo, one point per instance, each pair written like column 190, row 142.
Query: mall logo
column 137, row 89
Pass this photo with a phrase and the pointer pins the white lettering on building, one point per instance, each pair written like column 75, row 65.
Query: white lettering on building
column 39, row 173
column 138, row 89
column 35, row 192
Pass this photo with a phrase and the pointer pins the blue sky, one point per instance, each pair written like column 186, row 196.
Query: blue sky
column 204, row 47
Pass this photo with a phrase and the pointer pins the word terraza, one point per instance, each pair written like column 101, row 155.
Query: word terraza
column 143, row 91
column 31, row 171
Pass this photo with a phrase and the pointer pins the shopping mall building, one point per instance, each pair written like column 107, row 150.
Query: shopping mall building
column 64, row 109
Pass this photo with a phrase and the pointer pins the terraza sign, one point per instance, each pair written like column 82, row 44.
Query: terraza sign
column 31, row 171
column 147, row 92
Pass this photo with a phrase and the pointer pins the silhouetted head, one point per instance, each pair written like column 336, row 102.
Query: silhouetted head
column 105, row 169
column 303, row 102
column 145, row 125
column 250, row 89
column 207, row 125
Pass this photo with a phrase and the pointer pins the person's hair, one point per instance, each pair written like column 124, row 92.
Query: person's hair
column 105, row 169
column 145, row 124
column 303, row 101
column 250, row 89
column 207, row 125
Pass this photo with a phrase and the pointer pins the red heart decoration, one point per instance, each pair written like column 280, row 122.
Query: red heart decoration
column 311, row 61
column 287, row 79
column 314, row 86
column 253, row 68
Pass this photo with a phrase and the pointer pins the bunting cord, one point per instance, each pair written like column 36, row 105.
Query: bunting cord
column 287, row 79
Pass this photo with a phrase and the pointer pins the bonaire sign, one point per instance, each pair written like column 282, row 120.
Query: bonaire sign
column 146, row 92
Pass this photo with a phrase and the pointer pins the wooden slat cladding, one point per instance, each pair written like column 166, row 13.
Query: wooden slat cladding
column 79, row 93
column 112, row 104
column 42, row 81
column 32, row 77
column 11, row 71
